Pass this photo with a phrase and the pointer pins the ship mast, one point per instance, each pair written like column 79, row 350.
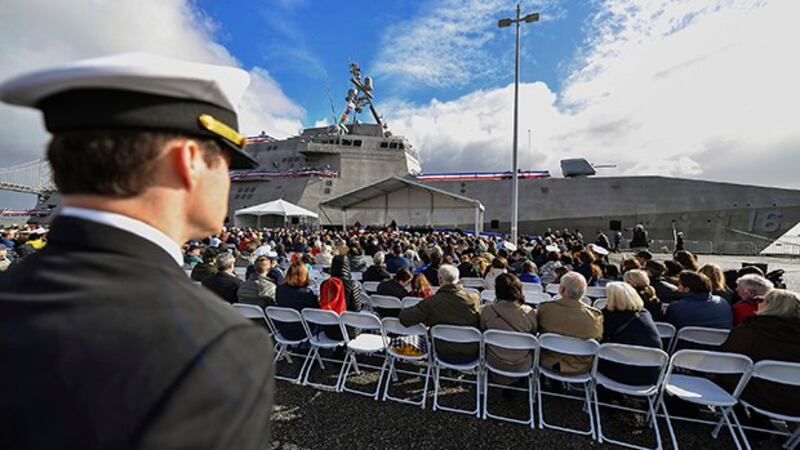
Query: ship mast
column 357, row 98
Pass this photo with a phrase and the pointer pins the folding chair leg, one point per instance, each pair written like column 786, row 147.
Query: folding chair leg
column 669, row 422
column 436, row 375
column 739, row 428
column 793, row 440
column 598, row 417
column 389, row 379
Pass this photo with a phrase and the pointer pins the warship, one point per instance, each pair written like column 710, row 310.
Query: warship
column 322, row 163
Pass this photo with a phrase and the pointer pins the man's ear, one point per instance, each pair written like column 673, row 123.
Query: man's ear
column 187, row 160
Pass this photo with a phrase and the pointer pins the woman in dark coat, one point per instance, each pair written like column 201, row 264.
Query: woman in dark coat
column 626, row 321
column 773, row 333
column 294, row 293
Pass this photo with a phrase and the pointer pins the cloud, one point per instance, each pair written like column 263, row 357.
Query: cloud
column 447, row 45
column 693, row 88
column 40, row 33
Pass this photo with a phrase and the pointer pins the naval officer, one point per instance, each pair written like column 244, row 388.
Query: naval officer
column 105, row 343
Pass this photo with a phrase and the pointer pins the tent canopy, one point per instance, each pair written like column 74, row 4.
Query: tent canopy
column 407, row 202
column 276, row 208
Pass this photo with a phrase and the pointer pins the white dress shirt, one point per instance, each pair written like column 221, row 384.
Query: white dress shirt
column 130, row 225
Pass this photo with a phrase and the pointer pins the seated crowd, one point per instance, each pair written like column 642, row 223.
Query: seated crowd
column 282, row 267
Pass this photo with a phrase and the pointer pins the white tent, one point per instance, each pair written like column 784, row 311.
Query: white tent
column 279, row 211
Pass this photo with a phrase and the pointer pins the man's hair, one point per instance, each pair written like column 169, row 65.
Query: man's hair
column 655, row 268
column 695, row 282
column 403, row 275
column 113, row 163
column 759, row 284
column 378, row 258
column 528, row 267
column 574, row 285
column 262, row 265
column 448, row 274
column 225, row 261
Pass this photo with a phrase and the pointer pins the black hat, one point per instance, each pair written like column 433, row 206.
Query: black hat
column 139, row 91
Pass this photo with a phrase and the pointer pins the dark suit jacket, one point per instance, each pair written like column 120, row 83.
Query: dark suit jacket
column 224, row 285
column 108, row 344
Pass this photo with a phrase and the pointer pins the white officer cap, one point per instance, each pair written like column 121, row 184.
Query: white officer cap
column 138, row 90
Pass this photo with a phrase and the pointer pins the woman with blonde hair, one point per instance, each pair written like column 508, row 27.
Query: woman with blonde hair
column 717, row 277
column 774, row 334
column 626, row 321
column 641, row 282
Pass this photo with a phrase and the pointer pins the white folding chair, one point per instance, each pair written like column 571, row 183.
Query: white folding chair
column 595, row 292
column 781, row 372
column 488, row 296
column 384, row 302
column 408, row 302
column 240, row 272
column 457, row 335
column 707, row 338
column 535, row 298
column 322, row 318
column 600, row 303
column 514, row 341
column 253, row 312
column 472, row 282
column 370, row 286
column 666, row 331
column 552, row 288
column 356, row 276
column 363, row 344
column 568, row 346
column 532, row 287
column 287, row 316
column 630, row 355
column 702, row 391
column 392, row 326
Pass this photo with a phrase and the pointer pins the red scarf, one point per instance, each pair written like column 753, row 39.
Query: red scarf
column 331, row 295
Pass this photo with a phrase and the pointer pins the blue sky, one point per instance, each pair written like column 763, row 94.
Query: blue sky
column 306, row 46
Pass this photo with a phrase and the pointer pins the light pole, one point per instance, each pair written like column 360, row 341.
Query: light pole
column 503, row 23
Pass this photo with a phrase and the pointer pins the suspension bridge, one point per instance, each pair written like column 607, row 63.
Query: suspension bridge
column 32, row 177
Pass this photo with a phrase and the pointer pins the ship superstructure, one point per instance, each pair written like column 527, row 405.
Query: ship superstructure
column 324, row 162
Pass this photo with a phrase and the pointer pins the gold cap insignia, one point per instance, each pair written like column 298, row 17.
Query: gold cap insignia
column 222, row 130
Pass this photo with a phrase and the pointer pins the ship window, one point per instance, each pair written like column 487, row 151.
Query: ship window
column 329, row 183
column 393, row 145
column 347, row 142
column 327, row 190
column 357, row 143
column 401, row 146
column 544, row 190
column 384, row 145
column 463, row 191
column 236, row 197
column 249, row 196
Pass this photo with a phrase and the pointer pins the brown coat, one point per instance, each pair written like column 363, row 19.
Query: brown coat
column 760, row 338
column 569, row 318
column 508, row 316
column 451, row 305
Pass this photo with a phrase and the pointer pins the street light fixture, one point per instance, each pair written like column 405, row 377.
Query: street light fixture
column 503, row 23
